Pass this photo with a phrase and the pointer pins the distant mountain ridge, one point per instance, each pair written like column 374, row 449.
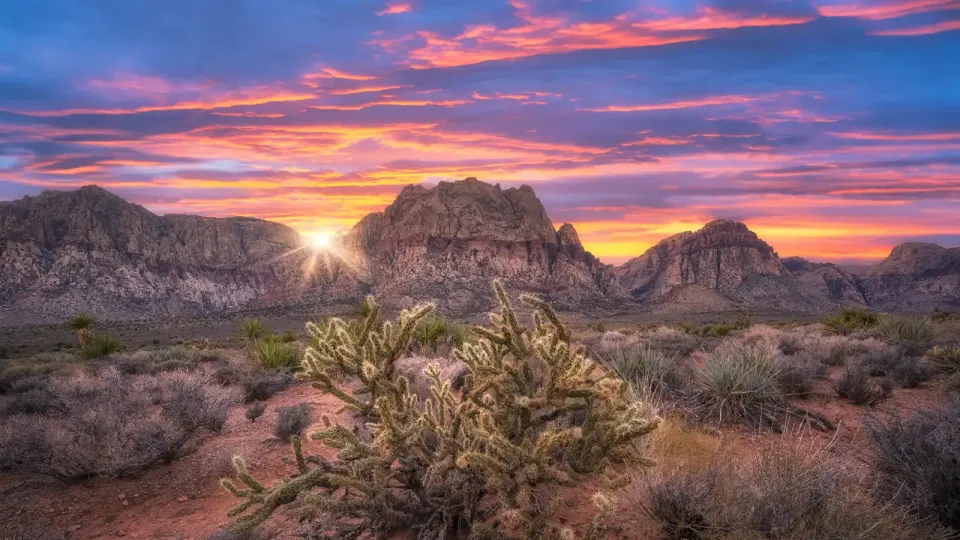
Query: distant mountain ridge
column 61, row 252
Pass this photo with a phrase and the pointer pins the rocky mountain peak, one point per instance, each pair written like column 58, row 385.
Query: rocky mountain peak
column 568, row 236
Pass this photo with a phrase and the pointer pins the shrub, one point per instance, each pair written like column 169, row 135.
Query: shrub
column 743, row 322
column 945, row 359
column 789, row 492
column 912, row 335
column 940, row 316
column 255, row 410
column 911, row 372
column 738, row 382
column 102, row 345
column 952, row 385
column 671, row 341
column 175, row 358
column 856, row 385
column 480, row 462
column 598, row 326
column 917, row 461
column 193, row 402
column 253, row 329
column 277, row 354
column 291, row 421
column 645, row 368
column 263, row 386
column 38, row 400
column 796, row 378
column 849, row 321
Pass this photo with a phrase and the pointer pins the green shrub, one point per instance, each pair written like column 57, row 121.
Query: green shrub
column 431, row 332
column 850, row 320
column 272, row 354
column 743, row 322
column 912, row 335
column 255, row 410
column 82, row 323
column 253, row 329
column 101, row 345
column 535, row 414
column 598, row 326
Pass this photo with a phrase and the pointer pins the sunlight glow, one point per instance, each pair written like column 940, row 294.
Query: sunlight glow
column 320, row 240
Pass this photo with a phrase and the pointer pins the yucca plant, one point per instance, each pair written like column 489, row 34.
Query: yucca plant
column 850, row 320
column 431, row 332
column 101, row 345
column 644, row 367
column 945, row 359
column 82, row 323
column 252, row 329
column 738, row 382
column 912, row 335
column 275, row 354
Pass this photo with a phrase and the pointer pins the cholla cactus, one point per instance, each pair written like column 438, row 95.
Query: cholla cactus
column 535, row 412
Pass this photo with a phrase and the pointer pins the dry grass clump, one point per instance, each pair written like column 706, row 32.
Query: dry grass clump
column 110, row 424
column 100, row 346
column 791, row 492
column 912, row 335
column 918, row 461
column 646, row 368
column 671, row 341
column 276, row 354
column 945, row 359
column 738, row 382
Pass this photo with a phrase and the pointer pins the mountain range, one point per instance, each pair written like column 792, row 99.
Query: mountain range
column 88, row 249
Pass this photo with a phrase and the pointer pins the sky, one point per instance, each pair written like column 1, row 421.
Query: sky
column 830, row 127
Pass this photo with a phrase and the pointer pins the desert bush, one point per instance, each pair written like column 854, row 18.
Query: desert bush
column 252, row 329
column 255, row 410
column 175, row 358
column 35, row 368
column 100, row 346
column 597, row 326
column 940, row 316
column 105, row 425
column 945, row 359
column 856, row 385
column 742, row 322
column 912, row 335
column 37, row 400
column 612, row 340
column 193, row 402
column 273, row 354
column 952, row 385
column 738, row 382
column 918, row 461
column 291, row 421
column 480, row 462
column 791, row 492
column 645, row 368
column 795, row 376
column 671, row 341
column 262, row 386
column 849, row 321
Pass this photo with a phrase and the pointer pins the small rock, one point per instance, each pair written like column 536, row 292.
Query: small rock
column 73, row 528
column 182, row 499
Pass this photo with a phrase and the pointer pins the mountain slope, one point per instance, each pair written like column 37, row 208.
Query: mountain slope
column 914, row 277
column 448, row 242
column 61, row 252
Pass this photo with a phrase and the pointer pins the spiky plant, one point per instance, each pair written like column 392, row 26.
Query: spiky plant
column 534, row 413
column 431, row 332
column 912, row 335
column 945, row 359
column 850, row 320
column 275, row 354
column 252, row 329
column 102, row 345
column 82, row 324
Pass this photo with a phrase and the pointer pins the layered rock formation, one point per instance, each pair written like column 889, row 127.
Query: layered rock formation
column 448, row 242
column 831, row 281
column 722, row 266
column 914, row 277
column 61, row 252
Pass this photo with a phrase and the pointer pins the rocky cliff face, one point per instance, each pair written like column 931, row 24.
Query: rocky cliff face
column 833, row 282
column 719, row 256
column 448, row 242
column 88, row 249
column 914, row 277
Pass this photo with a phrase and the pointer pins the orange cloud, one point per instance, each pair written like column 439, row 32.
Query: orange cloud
column 714, row 19
column 395, row 103
column 944, row 26
column 868, row 136
column 703, row 102
column 889, row 10
column 363, row 90
column 397, row 8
